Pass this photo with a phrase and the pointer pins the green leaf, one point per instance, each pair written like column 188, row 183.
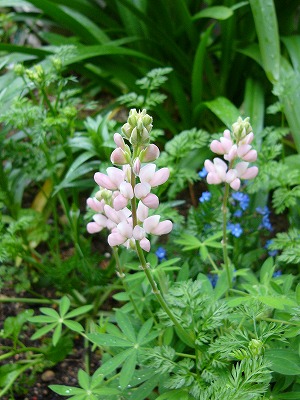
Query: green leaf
column 42, row 319
column 66, row 390
column 265, row 20
column 144, row 331
column 56, row 334
column 189, row 242
column 112, row 364
column 64, row 305
column 175, row 395
column 125, row 325
column 283, row 361
column 266, row 271
column 277, row 302
column 83, row 379
column 73, row 325
column 224, row 110
column 103, row 339
column 292, row 43
column 215, row 12
column 42, row 331
column 50, row 312
column 128, row 369
column 79, row 311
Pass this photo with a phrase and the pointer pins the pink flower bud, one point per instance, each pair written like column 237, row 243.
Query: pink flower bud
column 250, row 173
column 142, row 190
column 142, row 212
column 160, row 177
column 152, row 225
column 125, row 229
column 231, row 154
column 145, row 244
column 243, row 149
column 138, row 233
column 126, row 190
column 104, row 181
column 216, row 147
column 92, row 227
column 118, row 157
column 151, row 200
column 115, row 239
column 119, row 141
column 150, row 153
column 120, row 202
column 136, row 166
column 251, row 156
column 235, row 184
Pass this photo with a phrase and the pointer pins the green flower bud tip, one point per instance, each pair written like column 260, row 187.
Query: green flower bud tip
column 241, row 128
column 255, row 346
column 19, row 69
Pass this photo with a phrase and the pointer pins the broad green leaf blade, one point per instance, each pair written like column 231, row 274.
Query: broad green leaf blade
column 56, row 334
column 292, row 43
column 224, row 110
column 215, row 12
column 266, row 271
column 64, row 305
column 279, row 303
column 284, row 361
column 128, row 369
column 79, row 311
column 50, row 312
column 265, row 20
column 112, row 364
column 125, row 325
column 66, row 390
column 42, row 319
column 73, row 325
column 83, row 379
column 103, row 339
column 145, row 329
column 42, row 331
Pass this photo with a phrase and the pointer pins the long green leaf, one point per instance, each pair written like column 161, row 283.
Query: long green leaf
column 292, row 43
column 103, row 339
column 215, row 12
column 265, row 20
column 128, row 369
column 224, row 110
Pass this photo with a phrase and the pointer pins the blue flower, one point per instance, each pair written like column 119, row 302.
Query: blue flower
column 206, row 196
column 235, row 229
column 272, row 253
column 242, row 198
column 277, row 273
column 161, row 254
column 203, row 173
column 238, row 213
column 265, row 212
column 213, row 279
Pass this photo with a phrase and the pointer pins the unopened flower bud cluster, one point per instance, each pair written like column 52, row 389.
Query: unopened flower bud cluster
column 124, row 198
column 236, row 149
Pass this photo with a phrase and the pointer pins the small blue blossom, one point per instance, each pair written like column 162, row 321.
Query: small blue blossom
column 206, row 196
column 238, row 213
column 266, row 223
column 161, row 254
column 242, row 198
column 277, row 273
column 235, row 229
column 213, row 279
column 272, row 253
column 203, row 173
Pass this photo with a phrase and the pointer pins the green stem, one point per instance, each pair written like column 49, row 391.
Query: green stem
column 4, row 299
column 212, row 262
column 146, row 268
column 224, row 241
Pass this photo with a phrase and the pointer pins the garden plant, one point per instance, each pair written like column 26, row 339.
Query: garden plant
column 149, row 200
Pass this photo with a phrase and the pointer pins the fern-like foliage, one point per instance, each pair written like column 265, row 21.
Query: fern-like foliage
column 289, row 244
column 149, row 84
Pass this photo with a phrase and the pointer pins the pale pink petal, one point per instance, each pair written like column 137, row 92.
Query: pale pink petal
column 120, row 202
column 125, row 229
column 231, row 175
column 220, row 168
column 251, row 156
column 112, row 214
column 119, row 141
column 248, row 139
column 118, row 157
column 100, row 219
column 151, row 153
column 104, row 181
column 250, row 173
column 216, row 147
column 235, row 184
column 243, row 150
column 151, row 223
column 126, row 190
column 209, row 166
column 115, row 239
column 213, row 178
column 95, row 204
column 241, row 168
column 151, row 200
column 124, row 214
column 145, row 244
column 138, row 232
column 147, row 172
column 116, row 175
column 136, row 166
column 142, row 211
column 231, row 154
column 160, row 177
column 163, row 228
column 226, row 144
column 142, row 189
column 93, row 227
